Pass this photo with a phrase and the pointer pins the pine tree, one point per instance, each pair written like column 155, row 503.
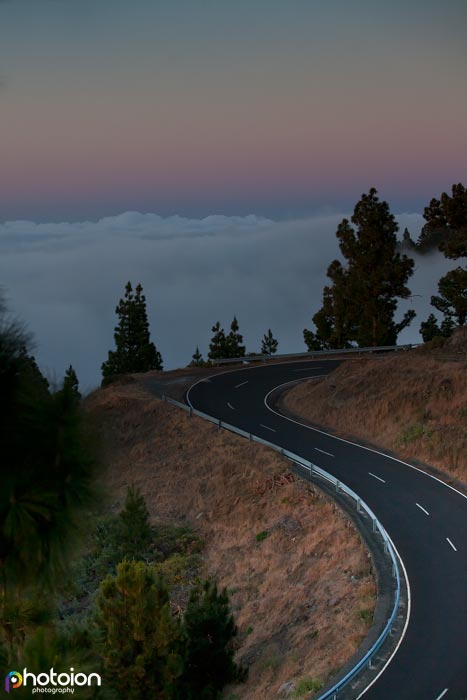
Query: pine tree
column 196, row 359
column 447, row 218
column 208, row 630
column 235, row 348
column 70, row 383
column 141, row 640
column 269, row 344
column 45, row 481
column 359, row 306
column 452, row 295
column 133, row 531
column 134, row 351
column 429, row 329
column 447, row 222
column 407, row 239
column 218, row 344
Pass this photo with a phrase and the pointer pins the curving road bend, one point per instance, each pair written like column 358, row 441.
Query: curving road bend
column 426, row 519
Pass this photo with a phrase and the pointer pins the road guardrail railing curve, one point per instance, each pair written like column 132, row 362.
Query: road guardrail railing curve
column 377, row 528
column 314, row 353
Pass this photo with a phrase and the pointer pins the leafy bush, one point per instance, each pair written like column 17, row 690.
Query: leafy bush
column 414, row 432
column 307, row 685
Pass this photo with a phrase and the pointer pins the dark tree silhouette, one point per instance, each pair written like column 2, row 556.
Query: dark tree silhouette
column 209, row 631
column 359, row 306
column 218, row 344
column 196, row 359
column 234, row 346
column 269, row 344
column 134, row 351
column 447, row 222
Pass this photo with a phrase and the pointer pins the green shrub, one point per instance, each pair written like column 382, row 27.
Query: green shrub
column 366, row 615
column 413, row 432
column 307, row 685
column 261, row 536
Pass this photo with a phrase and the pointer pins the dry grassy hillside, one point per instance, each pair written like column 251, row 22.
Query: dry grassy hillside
column 299, row 578
column 414, row 403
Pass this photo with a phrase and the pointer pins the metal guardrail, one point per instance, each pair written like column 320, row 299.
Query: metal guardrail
column 377, row 527
column 314, row 353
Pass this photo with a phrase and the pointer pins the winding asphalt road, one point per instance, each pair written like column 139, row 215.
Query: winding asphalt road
column 426, row 519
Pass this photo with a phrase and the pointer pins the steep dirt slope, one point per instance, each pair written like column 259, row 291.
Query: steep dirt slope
column 413, row 403
column 300, row 580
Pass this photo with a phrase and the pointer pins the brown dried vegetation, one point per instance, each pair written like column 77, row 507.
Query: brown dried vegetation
column 299, row 589
column 413, row 403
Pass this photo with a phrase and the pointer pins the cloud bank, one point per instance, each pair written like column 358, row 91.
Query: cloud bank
column 64, row 280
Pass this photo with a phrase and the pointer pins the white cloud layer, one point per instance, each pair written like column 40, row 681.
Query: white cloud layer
column 64, row 280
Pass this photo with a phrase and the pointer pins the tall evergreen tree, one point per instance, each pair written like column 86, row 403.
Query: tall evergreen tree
column 133, row 531
column 269, row 344
column 140, row 638
column 196, row 359
column 218, row 344
column 70, row 382
column 430, row 329
column 359, row 307
column 45, row 481
column 134, row 351
column 452, row 295
column 209, row 631
column 447, row 220
column 235, row 347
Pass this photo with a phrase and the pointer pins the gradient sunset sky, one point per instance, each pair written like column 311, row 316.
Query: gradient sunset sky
column 249, row 106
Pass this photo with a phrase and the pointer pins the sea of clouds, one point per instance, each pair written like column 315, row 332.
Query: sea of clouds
column 64, row 281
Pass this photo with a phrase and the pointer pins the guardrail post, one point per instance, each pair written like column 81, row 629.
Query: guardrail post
column 163, row 398
column 191, row 411
column 374, row 524
column 359, row 508
column 219, row 425
column 337, row 486
column 311, row 470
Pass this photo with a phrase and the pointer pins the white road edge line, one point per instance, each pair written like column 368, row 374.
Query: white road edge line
column 267, row 427
column 409, row 609
column 422, row 508
column 442, row 694
column 324, row 452
column 369, row 449
column 237, row 386
column 376, row 477
column 455, row 549
column 349, row 442
column 307, row 369
column 230, row 406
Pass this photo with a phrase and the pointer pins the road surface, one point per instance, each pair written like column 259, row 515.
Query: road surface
column 426, row 519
